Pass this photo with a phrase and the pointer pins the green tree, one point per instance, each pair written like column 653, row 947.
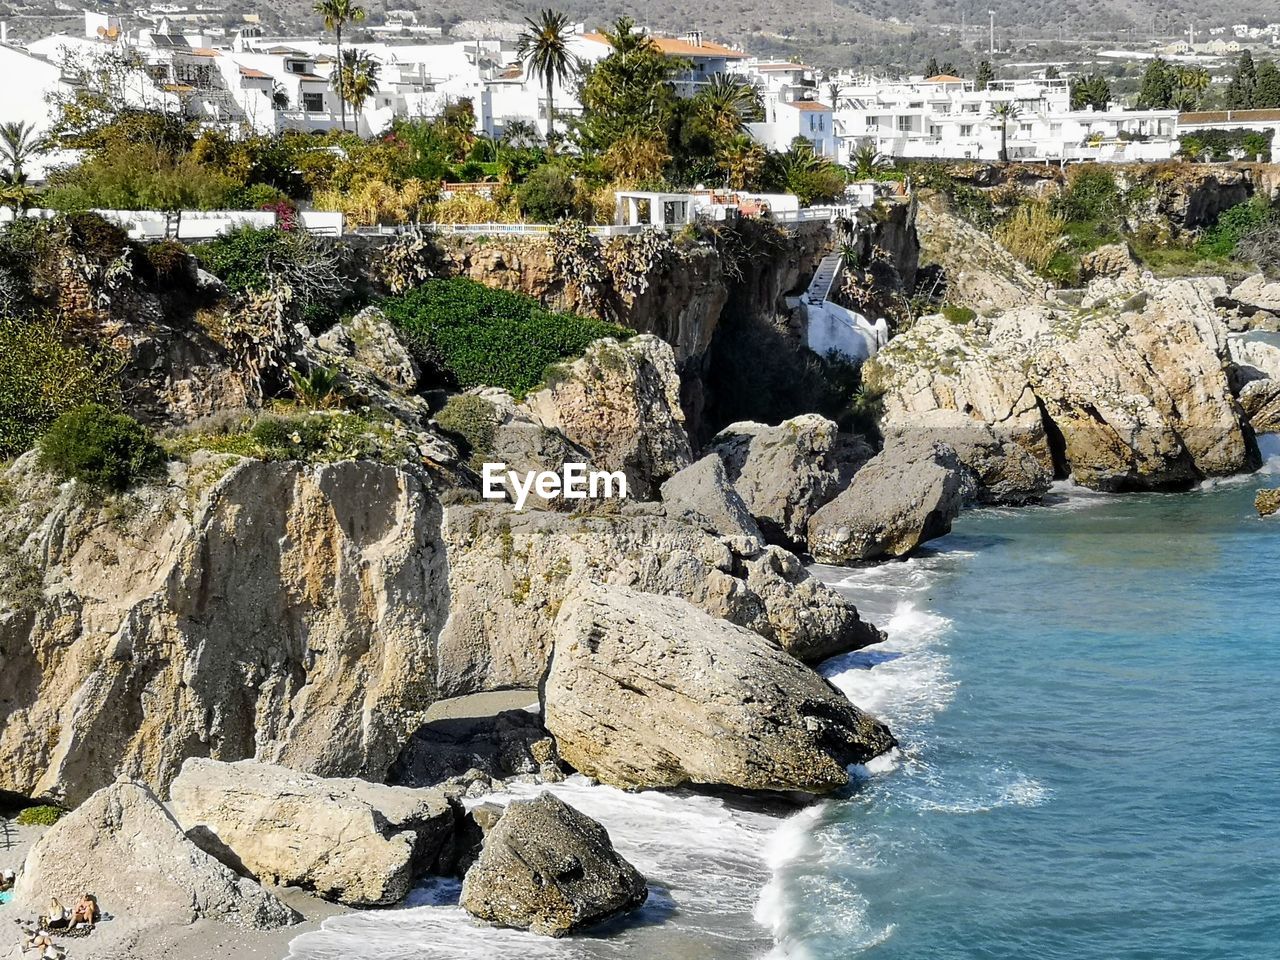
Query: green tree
column 931, row 67
column 727, row 103
column 982, row 79
column 1157, row 89
column 1189, row 87
column 1091, row 91
column 337, row 14
column 1004, row 111
column 629, row 91
column 1244, row 83
column 356, row 80
column 1266, row 95
column 19, row 142
column 544, row 49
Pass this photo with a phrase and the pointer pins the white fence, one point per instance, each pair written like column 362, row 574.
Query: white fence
column 198, row 224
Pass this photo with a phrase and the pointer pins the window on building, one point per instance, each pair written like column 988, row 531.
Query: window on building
column 822, row 122
column 904, row 124
column 969, row 107
column 812, row 122
column 296, row 66
column 966, row 130
column 917, row 105
column 313, row 102
column 1025, row 129
column 935, row 130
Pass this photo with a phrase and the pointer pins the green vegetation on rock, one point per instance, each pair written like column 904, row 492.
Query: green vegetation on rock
column 477, row 336
column 41, row 816
column 97, row 446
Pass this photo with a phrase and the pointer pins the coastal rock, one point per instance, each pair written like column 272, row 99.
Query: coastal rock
column 808, row 620
column 548, row 868
column 1267, row 502
column 359, row 843
column 510, row 572
column 1005, row 471
column 1129, row 394
column 275, row 611
column 1257, row 292
column 648, row 691
column 512, row 743
column 621, row 403
column 702, row 495
column 125, row 848
column 904, row 496
column 785, row 473
column 1111, row 260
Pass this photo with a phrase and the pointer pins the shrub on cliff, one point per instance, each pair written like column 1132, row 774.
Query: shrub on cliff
column 97, row 446
column 486, row 337
column 41, row 816
column 548, row 195
column 44, row 372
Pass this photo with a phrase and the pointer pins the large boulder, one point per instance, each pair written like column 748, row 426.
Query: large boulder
column 1257, row 292
column 352, row 841
column 1267, row 502
column 512, row 743
column 370, row 342
column 906, row 495
column 126, row 849
column 621, row 403
column 548, row 868
column 1005, row 471
column 785, row 473
column 647, row 691
column 701, row 494
column 276, row 611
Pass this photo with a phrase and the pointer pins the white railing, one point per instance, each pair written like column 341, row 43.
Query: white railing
column 502, row 229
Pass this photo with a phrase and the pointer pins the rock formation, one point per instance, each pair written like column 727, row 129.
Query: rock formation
column 1268, row 502
column 546, row 867
column 125, row 848
column 648, row 691
column 701, row 494
column 244, row 609
column 510, row 572
column 621, row 403
column 352, row 841
column 785, row 473
column 1128, row 392
column 905, row 495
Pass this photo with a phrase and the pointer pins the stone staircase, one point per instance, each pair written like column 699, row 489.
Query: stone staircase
column 824, row 278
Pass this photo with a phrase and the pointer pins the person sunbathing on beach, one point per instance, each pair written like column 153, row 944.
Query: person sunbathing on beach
column 57, row 918
column 85, row 912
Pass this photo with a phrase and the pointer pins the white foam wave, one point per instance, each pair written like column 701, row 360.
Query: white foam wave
column 1022, row 792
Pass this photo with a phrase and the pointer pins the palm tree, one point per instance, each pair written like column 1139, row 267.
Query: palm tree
column 356, row 80
column 833, row 89
column 743, row 160
column 337, row 14
column 727, row 103
column 18, row 144
column 866, row 161
column 1004, row 111
column 519, row 133
column 544, row 48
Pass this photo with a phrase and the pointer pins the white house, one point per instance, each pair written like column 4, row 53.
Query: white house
column 787, row 120
column 37, row 78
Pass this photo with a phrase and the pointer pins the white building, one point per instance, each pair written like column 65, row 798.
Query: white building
column 948, row 117
column 37, row 78
column 790, row 119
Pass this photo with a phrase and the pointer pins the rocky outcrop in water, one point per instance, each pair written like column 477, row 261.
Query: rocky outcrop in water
column 651, row 692
column 1267, row 502
column 359, row 843
column 905, row 495
column 125, row 848
column 1128, row 392
column 547, row 868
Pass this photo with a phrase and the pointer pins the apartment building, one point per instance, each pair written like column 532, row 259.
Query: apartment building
column 949, row 117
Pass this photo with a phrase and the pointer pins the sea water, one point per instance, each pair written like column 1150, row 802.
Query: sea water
column 1086, row 699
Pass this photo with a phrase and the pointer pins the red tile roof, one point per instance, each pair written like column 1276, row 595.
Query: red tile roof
column 674, row 47
column 806, row 105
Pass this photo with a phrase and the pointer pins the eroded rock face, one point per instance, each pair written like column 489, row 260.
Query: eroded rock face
column 125, row 848
column 785, row 473
column 1267, row 502
column 370, row 342
column 649, row 691
column 349, row 840
column 904, row 496
column 548, row 868
column 242, row 610
column 1129, row 393
column 702, row 495
column 510, row 572
column 621, row 403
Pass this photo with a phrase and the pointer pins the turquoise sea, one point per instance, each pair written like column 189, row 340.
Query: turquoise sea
column 1086, row 697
